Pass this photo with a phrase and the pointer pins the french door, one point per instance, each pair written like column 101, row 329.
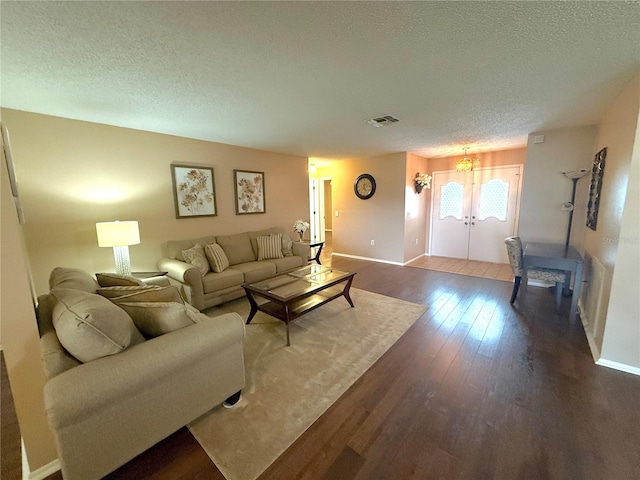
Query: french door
column 472, row 213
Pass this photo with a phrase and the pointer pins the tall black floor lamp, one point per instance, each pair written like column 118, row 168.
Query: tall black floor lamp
column 574, row 176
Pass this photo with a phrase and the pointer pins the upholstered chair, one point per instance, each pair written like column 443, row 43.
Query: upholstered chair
column 514, row 249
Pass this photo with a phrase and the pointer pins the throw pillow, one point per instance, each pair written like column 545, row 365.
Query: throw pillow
column 90, row 326
column 155, row 311
column 196, row 257
column 149, row 294
column 120, row 290
column 217, row 258
column 157, row 318
column 269, row 247
column 287, row 246
column 114, row 280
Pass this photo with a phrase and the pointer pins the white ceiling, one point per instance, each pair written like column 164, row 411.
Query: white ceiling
column 302, row 77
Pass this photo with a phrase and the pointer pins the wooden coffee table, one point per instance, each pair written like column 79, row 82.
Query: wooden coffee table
column 297, row 292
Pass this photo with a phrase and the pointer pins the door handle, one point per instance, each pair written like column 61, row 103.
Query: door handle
column 473, row 223
column 466, row 223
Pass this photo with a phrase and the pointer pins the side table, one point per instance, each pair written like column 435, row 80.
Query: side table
column 143, row 275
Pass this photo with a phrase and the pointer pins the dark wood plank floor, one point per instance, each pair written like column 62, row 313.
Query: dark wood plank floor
column 475, row 389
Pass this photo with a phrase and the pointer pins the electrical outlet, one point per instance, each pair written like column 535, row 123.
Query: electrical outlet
column 373, row 242
column 336, row 213
column 416, row 241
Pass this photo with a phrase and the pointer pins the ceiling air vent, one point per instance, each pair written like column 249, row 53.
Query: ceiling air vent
column 382, row 121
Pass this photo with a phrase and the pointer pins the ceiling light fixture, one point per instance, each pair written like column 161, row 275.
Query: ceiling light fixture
column 466, row 163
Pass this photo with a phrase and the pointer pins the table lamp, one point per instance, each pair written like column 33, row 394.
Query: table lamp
column 119, row 235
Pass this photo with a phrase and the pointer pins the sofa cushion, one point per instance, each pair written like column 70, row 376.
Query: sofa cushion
column 269, row 247
column 90, row 326
column 114, row 280
column 213, row 282
column 286, row 263
column 196, row 257
column 255, row 271
column 237, row 248
column 217, row 258
column 74, row 278
column 175, row 247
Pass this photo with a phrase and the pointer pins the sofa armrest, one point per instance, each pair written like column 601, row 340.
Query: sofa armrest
column 79, row 393
column 301, row 250
column 187, row 276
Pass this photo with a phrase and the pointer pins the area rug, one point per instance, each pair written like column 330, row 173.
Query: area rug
column 288, row 388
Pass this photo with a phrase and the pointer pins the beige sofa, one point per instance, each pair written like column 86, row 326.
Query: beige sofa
column 105, row 411
column 204, row 289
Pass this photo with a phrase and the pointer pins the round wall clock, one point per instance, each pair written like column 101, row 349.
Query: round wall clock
column 364, row 186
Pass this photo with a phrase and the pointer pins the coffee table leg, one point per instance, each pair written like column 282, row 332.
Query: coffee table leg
column 345, row 292
column 286, row 316
column 254, row 307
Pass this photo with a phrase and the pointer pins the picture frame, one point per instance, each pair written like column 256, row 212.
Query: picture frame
column 249, row 192
column 597, row 173
column 194, row 193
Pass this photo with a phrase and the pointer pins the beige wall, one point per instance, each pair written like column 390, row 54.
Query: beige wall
column 417, row 208
column 515, row 156
column 545, row 188
column 20, row 336
column 616, row 241
column 73, row 174
column 380, row 218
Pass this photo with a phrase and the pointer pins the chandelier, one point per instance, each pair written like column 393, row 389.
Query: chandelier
column 466, row 164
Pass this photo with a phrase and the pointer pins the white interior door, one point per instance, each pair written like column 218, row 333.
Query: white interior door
column 472, row 213
column 450, row 214
column 494, row 211
column 314, row 218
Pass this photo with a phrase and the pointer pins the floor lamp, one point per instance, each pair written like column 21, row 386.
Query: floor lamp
column 119, row 235
column 574, row 176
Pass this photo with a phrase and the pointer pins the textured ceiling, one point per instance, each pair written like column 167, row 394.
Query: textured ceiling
column 302, row 77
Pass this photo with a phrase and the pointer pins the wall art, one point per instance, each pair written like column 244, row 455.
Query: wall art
column 194, row 192
column 249, row 189
column 597, row 173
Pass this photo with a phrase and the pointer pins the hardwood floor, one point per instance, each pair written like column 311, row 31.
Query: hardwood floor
column 476, row 389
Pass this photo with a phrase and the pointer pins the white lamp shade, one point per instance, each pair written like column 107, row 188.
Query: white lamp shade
column 117, row 234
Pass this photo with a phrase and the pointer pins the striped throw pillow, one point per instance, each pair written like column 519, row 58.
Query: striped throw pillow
column 269, row 247
column 217, row 258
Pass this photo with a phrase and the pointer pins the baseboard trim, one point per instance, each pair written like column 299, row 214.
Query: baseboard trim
column 42, row 472
column 595, row 351
column 414, row 259
column 618, row 366
column 368, row 258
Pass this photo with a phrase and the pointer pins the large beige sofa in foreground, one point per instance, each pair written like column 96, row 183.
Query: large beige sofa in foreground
column 205, row 288
column 112, row 391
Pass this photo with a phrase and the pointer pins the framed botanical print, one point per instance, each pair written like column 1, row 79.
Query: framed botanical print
column 194, row 192
column 597, row 172
column 249, row 190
